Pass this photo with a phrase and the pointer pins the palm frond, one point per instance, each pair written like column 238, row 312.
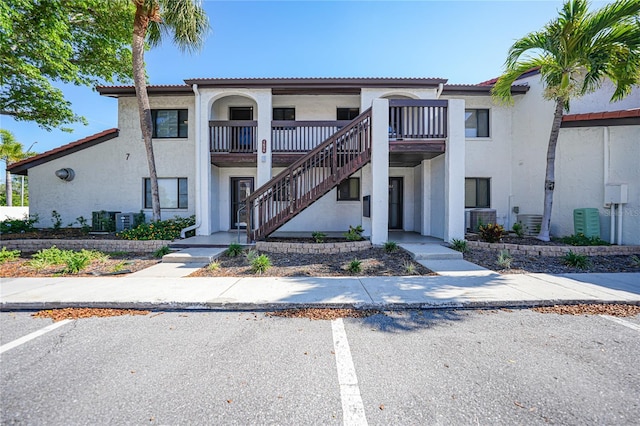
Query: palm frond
column 501, row 91
column 187, row 21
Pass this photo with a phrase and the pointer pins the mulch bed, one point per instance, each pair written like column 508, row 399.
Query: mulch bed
column 61, row 234
column 591, row 309
column 375, row 261
column 76, row 313
column 322, row 313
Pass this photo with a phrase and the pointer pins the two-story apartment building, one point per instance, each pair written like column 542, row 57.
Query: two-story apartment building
column 321, row 154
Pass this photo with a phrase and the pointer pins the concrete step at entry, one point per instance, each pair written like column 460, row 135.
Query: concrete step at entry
column 431, row 252
column 194, row 255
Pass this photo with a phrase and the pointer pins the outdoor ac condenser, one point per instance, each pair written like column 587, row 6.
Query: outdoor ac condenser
column 481, row 217
column 124, row 221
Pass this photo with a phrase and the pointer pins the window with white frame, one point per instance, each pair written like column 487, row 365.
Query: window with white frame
column 170, row 123
column 477, row 193
column 173, row 193
column 476, row 123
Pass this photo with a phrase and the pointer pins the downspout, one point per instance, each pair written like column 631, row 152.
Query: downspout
column 439, row 91
column 198, row 203
column 612, row 207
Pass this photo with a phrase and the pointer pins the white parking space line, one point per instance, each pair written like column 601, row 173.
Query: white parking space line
column 620, row 321
column 352, row 407
column 33, row 335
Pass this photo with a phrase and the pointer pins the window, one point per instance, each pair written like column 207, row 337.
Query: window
column 173, row 193
column 240, row 113
column 288, row 114
column 349, row 190
column 169, row 123
column 477, row 192
column 476, row 123
column 347, row 113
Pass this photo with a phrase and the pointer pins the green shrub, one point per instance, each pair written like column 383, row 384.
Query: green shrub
column 260, row 264
column 161, row 251
column 96, row 255
column 518, row 229
column 56, row 220
column 491, row 232
column 354, row 233
column 84, row 224
column 119, row 266
column 76, row 261
column 7, row 255
column 635, row 261
column 234, row 250
column 576, row 260
column 51, row 256
column 18, row 226
column 505, row 259
column 390, row 246
column 318, row 237
column 459, row 245
column 355, row 266
column 214, row 266
column 409, row 267
column 162, row 230
column 251, row 255
column 139, row 219
column 582, row 240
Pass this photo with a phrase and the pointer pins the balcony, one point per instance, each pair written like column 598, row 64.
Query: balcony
column 417, row 131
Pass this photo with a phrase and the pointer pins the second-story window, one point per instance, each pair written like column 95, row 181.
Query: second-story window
column 286, row 114
column 476, row 123
column 170, row 123
column 347, row 113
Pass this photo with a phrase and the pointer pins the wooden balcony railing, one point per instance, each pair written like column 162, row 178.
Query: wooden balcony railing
column 302, row 136
column 417, row 119
column 234, row 136
column 305, row 181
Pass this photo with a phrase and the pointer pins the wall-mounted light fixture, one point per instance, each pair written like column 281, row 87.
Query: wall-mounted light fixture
column 66, row 174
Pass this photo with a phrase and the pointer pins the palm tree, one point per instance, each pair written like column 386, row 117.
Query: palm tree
column 10, row 151
column 575, row 52
column 188, row 23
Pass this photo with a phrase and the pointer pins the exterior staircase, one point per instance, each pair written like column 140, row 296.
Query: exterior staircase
column 308, row 179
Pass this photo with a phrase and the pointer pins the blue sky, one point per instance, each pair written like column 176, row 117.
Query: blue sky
column 463, row 41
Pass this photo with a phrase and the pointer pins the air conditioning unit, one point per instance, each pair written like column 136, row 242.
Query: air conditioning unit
column 103, row 221
column 124, row 221
column 531, row 223
column 479, row 217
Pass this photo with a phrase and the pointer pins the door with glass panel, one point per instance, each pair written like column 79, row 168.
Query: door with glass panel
column 241, row 188
column 395, row 203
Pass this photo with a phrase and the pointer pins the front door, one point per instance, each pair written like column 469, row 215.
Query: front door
column 395, row 203
column 241, row 188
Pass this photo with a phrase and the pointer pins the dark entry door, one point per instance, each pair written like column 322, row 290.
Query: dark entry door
column 241, row 136
column 395, row 203
column 241, row 188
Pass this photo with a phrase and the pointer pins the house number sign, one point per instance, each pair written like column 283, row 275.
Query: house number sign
column 264, row 146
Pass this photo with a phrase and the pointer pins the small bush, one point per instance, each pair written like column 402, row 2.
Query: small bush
column 161, row 251
column 576, row 260
column 355, row 266
column 51, row 256
column 18, row 226
column 56, row 220
column 459, row 245
column 518, row 229
column 409, row 267
column 251, row 254
column 119, row 266
column 505, row 259
column 491, row 232
column 162, row 230
column 214, row 266
column 260, row 264
column 233, row 250
column 76, row 261
column 354, row 233
column 318, row 237
column 390, row 246
column 7, row 255
column 582, row 240
column 84, row 224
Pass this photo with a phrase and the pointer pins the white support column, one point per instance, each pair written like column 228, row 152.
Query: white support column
column 203, row 165
column 380, row 171
column 454, row 172
column 425, row 227
column 263, row 142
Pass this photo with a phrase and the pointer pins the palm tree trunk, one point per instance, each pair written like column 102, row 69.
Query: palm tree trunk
column 140, row 26
column 9, row 189
column 549, row 182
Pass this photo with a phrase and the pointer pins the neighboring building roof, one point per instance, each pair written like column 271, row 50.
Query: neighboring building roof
column 164, row 89
column 21, row 167
column 529, row 73
column 623, row 117
column 476, row 89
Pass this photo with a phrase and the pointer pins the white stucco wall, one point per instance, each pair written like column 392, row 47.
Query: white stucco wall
column 316, row 107
column 601, row 100
column 437, row 213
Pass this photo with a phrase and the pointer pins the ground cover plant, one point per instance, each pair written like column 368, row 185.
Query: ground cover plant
column 162, row 230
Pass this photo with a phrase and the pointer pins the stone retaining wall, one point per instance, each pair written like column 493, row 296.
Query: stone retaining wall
column 102, row 245
column 557, row 250
column 313, row 248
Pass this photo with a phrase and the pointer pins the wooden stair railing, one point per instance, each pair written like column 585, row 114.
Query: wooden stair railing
column 312, row 176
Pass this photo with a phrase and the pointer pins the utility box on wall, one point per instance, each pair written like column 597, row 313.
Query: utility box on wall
column 586, row 222
column 616, row 194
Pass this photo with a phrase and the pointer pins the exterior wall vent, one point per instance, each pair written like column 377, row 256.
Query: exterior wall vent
column 481, row 217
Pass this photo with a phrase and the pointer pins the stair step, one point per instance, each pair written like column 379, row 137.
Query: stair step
column 431, row 252
column 194, row 255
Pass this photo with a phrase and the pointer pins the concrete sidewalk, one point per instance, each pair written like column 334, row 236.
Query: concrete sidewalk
column 168, row 290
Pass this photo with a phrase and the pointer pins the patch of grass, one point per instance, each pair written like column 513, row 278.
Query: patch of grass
column 409, row 267
column 582, row 240
column 214, row 266
column 505, row 259
column 7, row 255
column 260, row 264
column 576, row 260
column 355, row 266
column 318, row 237
column 459, row 245
column 161, row 251
column 234, row 250
column 390, row 246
